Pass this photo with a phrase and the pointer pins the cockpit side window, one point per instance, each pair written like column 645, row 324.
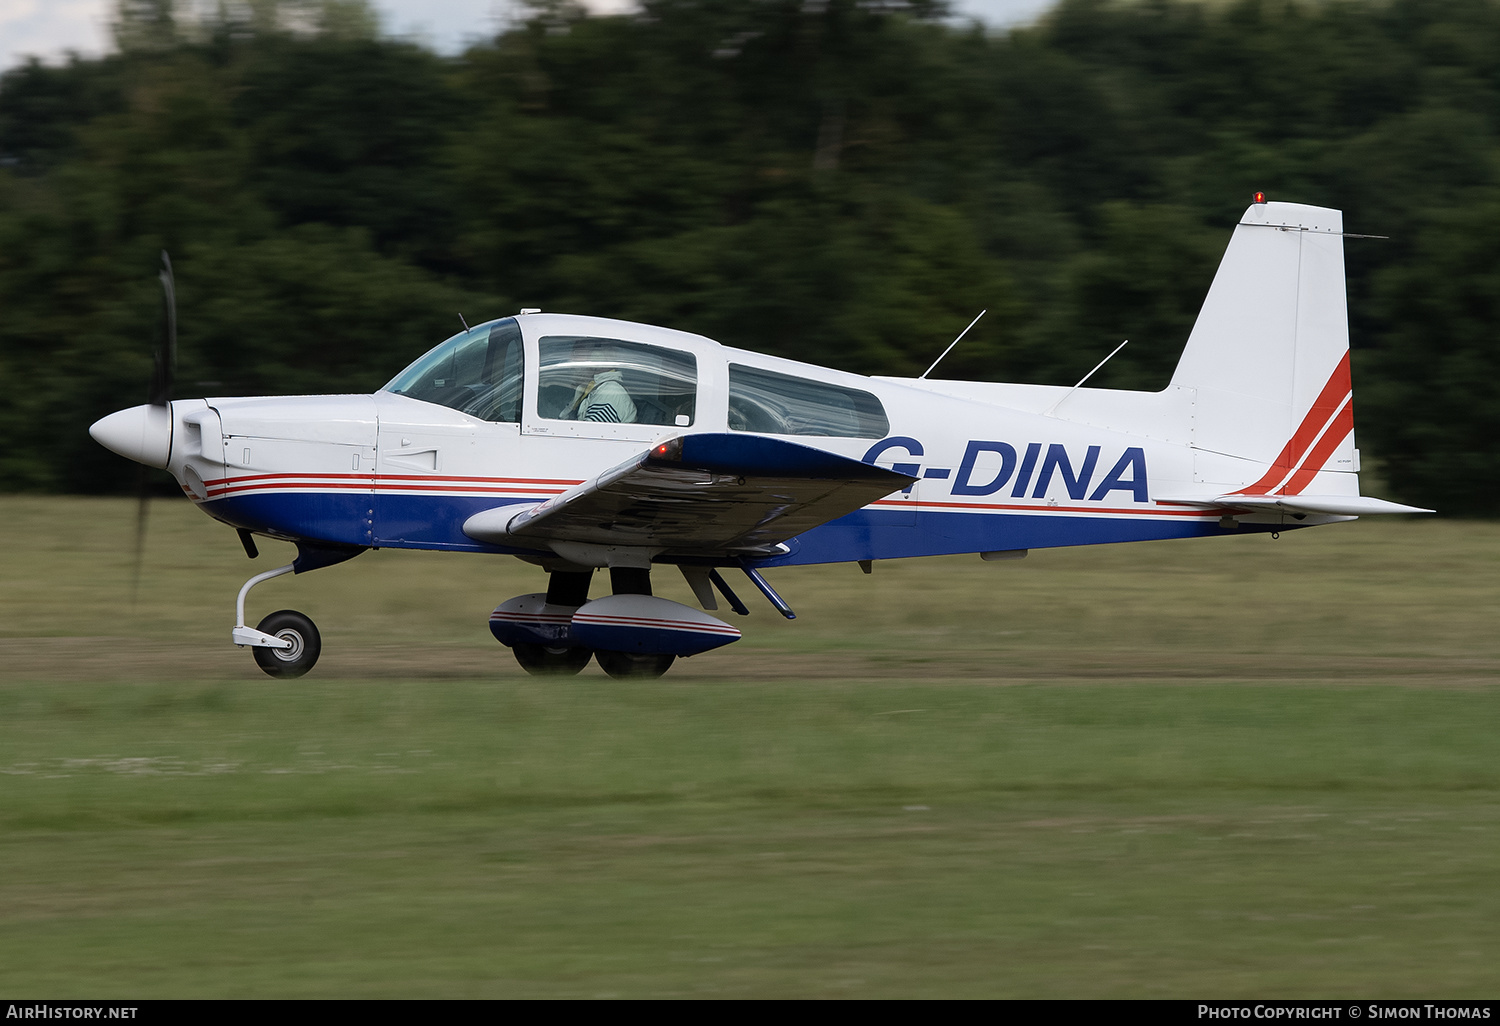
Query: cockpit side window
column 480, row 372
column 609, row 380
column 780, row 404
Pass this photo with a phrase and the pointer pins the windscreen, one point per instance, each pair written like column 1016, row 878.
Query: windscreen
column 479, row 372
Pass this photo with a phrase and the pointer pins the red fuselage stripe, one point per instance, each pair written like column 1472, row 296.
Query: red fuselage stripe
column 394, row 477
column 306, row 486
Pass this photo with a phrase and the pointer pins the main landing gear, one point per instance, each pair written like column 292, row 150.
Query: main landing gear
column 538, row 628
column 625, row 580
column 548, row 652
column 631, row 633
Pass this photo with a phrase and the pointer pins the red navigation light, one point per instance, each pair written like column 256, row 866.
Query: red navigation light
column 1260, row 197
column 671, row 449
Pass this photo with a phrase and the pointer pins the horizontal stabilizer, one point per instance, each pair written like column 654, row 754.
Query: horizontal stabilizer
column 701, row 493
column 1329, row 505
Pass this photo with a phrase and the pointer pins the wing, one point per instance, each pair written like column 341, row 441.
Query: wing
column 702, row 493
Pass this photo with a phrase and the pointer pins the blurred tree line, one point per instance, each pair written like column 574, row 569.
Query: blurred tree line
column 837, row 181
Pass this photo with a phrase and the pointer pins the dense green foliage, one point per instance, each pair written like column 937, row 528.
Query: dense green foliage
column 842, row 182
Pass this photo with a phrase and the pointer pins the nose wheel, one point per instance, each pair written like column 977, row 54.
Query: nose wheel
column 303, row 644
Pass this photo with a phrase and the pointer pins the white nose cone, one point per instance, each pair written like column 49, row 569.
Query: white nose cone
column 141, row 433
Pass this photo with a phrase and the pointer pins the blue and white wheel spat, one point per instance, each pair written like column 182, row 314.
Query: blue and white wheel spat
column 648, row 625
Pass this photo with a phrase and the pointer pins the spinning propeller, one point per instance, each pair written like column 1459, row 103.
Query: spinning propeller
column 164, row 363
column 163, row 373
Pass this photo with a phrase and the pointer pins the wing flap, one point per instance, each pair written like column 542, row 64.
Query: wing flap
column 704, row 493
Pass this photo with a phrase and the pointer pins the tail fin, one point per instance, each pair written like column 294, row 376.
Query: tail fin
column 1268, row 359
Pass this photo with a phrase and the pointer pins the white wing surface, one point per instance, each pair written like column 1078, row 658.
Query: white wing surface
column 704, row 494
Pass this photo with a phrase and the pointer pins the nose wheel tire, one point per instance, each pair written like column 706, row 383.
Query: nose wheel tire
column 307, row 644
column 543, row 661
column 624, row 665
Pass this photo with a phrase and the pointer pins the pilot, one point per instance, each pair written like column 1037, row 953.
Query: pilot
column 603, row 399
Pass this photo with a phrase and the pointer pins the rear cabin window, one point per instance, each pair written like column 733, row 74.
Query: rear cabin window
column 780, row 404
column 611, row 381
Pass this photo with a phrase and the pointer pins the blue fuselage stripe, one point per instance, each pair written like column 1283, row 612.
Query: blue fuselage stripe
column 429, row 521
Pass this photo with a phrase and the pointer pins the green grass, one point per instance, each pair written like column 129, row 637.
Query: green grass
column 1234, row 767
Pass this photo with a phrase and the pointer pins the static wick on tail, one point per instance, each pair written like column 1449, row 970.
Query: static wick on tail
column 955, row 342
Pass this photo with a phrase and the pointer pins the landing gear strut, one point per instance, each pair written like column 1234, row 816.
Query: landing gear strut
column 286, row 643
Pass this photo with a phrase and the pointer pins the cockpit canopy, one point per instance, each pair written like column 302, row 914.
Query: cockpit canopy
column 584, row 377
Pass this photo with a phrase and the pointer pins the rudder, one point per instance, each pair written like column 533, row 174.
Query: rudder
column 1268, row 358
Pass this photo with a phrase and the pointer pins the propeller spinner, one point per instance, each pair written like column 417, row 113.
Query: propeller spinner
column 144, row 433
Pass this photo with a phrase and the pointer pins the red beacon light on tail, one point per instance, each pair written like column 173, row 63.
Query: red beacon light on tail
column 1260, row 197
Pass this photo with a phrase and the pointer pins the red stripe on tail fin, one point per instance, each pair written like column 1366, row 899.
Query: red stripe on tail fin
column 1324, row 407
column 1336, row 433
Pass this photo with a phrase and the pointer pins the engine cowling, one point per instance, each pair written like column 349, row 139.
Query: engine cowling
column 645, row 624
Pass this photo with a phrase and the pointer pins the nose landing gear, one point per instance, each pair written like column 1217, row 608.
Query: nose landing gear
column 287, row 643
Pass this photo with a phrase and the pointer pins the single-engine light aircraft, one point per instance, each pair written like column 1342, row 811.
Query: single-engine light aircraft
column 580, row 443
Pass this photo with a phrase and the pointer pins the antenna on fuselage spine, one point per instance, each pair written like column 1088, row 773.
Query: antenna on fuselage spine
column 955, row 342
column 1053, row 408
column 464, row 322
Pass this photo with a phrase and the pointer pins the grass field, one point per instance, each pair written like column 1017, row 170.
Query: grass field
column 1232, row 767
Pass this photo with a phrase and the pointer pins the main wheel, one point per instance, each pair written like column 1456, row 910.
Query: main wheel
column 544, row 661
column 307, row 644
column 632, row 664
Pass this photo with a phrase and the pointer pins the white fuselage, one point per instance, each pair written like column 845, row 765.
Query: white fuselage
column 1000, row 466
